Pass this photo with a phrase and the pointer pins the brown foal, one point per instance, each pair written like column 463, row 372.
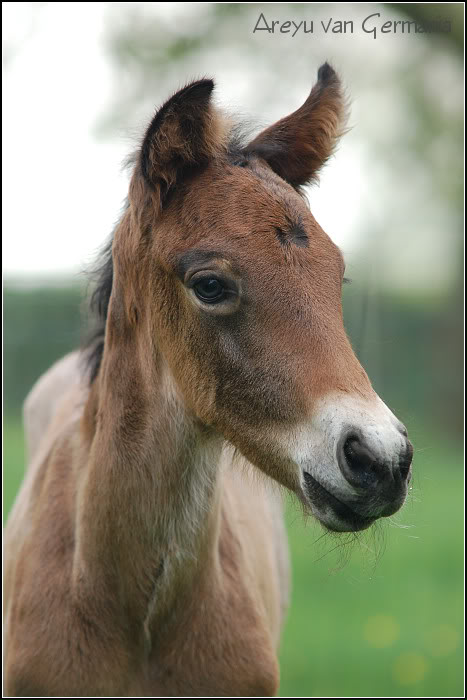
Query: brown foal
column 143, row 556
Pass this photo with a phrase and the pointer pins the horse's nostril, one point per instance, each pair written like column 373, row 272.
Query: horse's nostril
column 356, row 455
column 358, row 464
column 365, row 469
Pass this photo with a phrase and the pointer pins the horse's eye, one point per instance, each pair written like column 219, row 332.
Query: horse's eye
column 209, row 290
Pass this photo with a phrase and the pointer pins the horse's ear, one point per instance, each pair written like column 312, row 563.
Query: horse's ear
column 297, row 146
column 184, row 134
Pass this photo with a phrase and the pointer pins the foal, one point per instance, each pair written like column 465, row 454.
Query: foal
column 142, row 557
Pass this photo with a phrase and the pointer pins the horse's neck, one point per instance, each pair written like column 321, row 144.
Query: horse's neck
column 148, row 497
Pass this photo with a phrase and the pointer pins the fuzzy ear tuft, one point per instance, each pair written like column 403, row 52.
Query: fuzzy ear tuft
column 297, row 146
column 184, row 134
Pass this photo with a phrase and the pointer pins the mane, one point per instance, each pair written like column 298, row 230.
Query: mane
column 101, row 274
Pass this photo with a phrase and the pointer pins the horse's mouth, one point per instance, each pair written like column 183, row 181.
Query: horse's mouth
column 342, row 517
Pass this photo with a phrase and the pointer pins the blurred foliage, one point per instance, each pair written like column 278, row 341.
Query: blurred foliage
column 41, row 325
column 145, row 48
column 412, row 351
column 425, row 11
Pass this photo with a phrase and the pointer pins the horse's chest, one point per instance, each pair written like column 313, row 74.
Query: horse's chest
column 224, row 648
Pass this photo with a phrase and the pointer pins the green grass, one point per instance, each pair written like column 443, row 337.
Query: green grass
column 379, row 616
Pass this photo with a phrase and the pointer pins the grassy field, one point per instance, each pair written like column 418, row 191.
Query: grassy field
column 378, row 616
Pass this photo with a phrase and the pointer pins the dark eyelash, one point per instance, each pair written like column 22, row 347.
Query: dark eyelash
column 347, row 280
